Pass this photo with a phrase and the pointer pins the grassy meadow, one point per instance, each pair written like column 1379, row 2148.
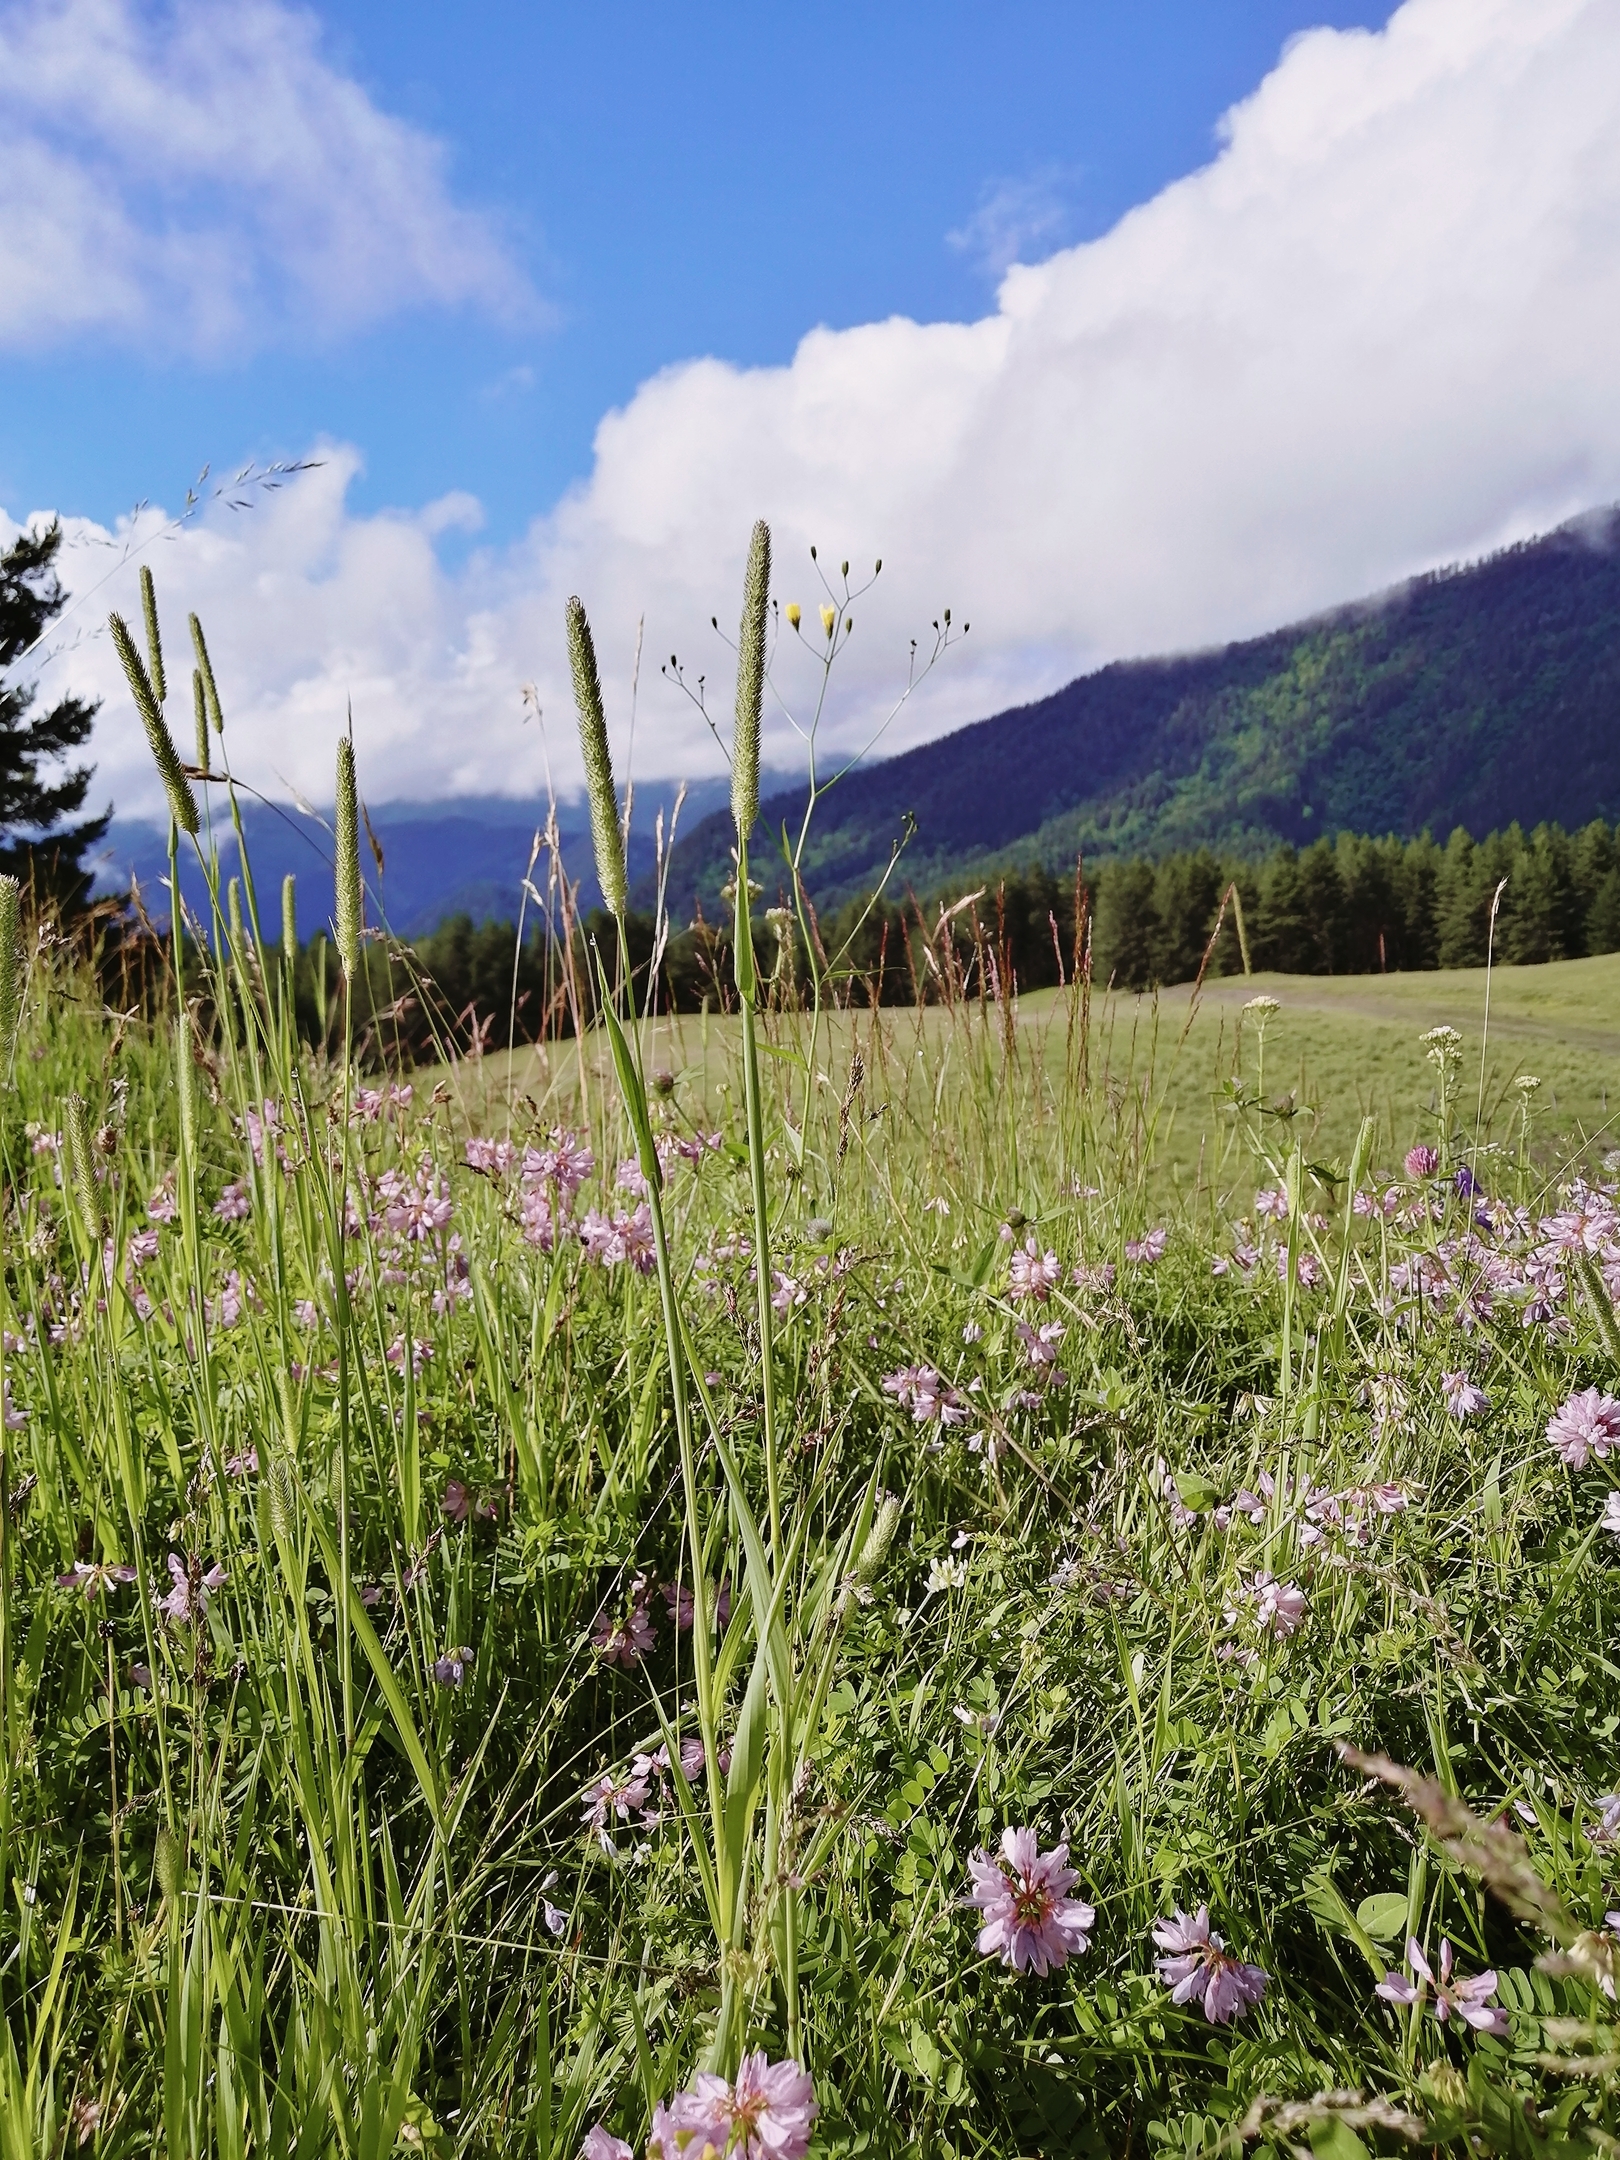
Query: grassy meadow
column 1029, row 1578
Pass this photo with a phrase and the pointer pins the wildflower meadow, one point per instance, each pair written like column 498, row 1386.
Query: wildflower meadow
column 766, row 1583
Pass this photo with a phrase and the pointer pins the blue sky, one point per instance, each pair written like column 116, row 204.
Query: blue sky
column 1119, row 329
column 676, row 182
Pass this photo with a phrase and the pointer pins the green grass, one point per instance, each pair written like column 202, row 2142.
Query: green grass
column 278, row 1881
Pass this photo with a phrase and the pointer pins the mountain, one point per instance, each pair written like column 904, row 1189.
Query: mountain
column 1475, row 696
column 463, row 857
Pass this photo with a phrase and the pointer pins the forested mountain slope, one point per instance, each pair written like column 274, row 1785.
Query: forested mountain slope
column 1477, row 696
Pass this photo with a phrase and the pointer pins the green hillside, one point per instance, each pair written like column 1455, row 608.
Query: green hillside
column 1475, row 696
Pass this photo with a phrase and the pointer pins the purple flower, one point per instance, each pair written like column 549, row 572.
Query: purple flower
column 1587, row 1425
column 233, row 1205
column 1421, row 1162
column 244, row 1465
column 625, row 1642
column 1466, row 1999
column 1145, row 1250
column 1279, row 1608
column 191, row 1588
column 1032, row 1273
column 457, row 1501
column 451, row 1669
column 678, row 1597
column 1463, row 1397
column 604, row 1800
column 765, row 2114
column 1197, row 1968
column 928, row 1395
column 91, row 1577
column 1610, row 1518
column 1029, row 1920
column 601, row 2144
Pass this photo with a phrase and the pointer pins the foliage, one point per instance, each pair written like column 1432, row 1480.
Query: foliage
column 35, row 845
column 1473, row 696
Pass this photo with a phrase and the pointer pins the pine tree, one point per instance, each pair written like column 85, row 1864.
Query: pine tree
column 36, row 844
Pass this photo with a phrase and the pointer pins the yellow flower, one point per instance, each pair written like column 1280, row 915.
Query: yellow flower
column 829, row 617
column 793, row 613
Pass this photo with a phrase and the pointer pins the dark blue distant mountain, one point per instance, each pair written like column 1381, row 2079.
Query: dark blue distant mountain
column 465, row 856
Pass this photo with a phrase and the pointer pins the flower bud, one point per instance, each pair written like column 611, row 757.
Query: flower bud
column 346, row 863
column 607, row 836
column 750, row 681
column 182, row 803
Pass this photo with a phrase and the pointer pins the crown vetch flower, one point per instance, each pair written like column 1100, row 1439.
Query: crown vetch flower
column 1422, row 1162
column 1029, row 1919
column 1197, row 1968
column 1463, row 1396
column 1465, row 1999
column 765, row 2114
column 600, row 2143
column 1587, row 1425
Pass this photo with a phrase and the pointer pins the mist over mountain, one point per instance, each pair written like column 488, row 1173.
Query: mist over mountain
column 1479, row 696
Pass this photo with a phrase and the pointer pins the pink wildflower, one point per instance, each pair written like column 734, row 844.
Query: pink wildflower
column 1587, row 1425
column 1029, row 1920
column 1272, row 1203
column 1466, row 1999
column 623, row 1642
column 1610, row 1518
column 600, row 2143
column 678, row 1597
column 605, row 1799
column 1421, row 1162
column 1463, row 1397
column 91, row 1577
column 1145, row 1250
column 191, row 1588
column 1279, row 1608
column 452, row 1669
column 163, row 1206
column 1198, row 1969
column 1032, row 1273
column 1041, row 1344
column 233, row 1205
column 765, row 2115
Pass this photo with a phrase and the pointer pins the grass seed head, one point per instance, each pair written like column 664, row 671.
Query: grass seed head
column 154, row 643
column 182, row 803
column 205, row 668
column 289, row 917
column 350, row 914
column 11, row 971
column 82, row 1164
column 199, row 714
column 750, row 681
column 606, row 834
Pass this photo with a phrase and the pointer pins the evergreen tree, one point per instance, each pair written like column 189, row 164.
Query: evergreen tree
column 36, row 844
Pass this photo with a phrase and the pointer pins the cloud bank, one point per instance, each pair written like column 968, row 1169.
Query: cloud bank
column 199, row 177
column 1375, row 333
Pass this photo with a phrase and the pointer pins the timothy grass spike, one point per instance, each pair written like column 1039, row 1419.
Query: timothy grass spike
column 350, row 916
column 11, row 971
column 199, row 714
column 154, row 642
column 750, row 680
column 205, row 668
column 289, row 918
column 82, row 1164
column 606, row 835
column 182, row 803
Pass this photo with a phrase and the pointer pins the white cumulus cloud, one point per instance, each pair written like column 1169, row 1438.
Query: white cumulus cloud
column 198, row 175
column 1375, row 333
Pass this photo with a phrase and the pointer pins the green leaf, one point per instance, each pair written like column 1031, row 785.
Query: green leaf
column 1384, row 1916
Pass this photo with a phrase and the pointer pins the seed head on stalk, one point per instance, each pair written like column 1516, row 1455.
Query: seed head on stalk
column 81, row 1164
column 606, row 836
column 750, row 681
column 154, row 643
column 289, row 918
column 347, row 861
column 11, row 971
column 205, row 668
column 182, row 803
column 199, row 714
